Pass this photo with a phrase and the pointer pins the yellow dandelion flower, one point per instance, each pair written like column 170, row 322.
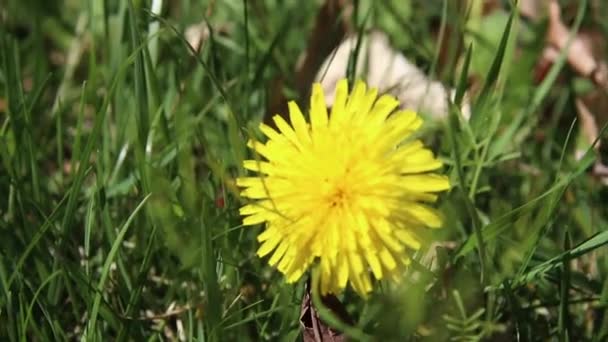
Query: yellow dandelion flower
column 346, row 191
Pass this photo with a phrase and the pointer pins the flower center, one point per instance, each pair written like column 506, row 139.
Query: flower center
column 338, row 189
column 338, row 197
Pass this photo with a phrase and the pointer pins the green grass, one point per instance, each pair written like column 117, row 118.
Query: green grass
column 119, row 145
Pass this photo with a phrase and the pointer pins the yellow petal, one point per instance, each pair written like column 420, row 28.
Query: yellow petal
column 269, row 245
column 255, row 219
column 300, row 263
column 424, row 214
column 278, row 253
column 367, row 103
column 326, row 275
column 270, row 132
column 384, row 232
column 251, row 209
column 258, row 166
column 407, row 238
column 287, row 131
column 387, row 259
column 374, row 264
column 355, row 263
column 338, row 112
column 342, row 270
column 249, row 181
column 256, row 193
column 425, row 182
column 318, row 108
column 357, row 282
column 355, row 99
column 421, row 160
column 260, row 148
column 298, row 122
column 421, row 167
column 385, row 105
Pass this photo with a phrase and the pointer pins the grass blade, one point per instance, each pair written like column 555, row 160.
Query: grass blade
column 91, row 327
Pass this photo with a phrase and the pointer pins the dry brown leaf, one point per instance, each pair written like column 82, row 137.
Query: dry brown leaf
column 581, row 55
column 587, row 58
column 585, row 55
column 590, row 124
column 587, row 121
column 313, row 329
column 382, row 67
column 197, row 35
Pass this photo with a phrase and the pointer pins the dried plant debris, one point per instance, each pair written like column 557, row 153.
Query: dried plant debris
column 197, row 35
column 388, row 70
column 586, row 57
column 313, row 328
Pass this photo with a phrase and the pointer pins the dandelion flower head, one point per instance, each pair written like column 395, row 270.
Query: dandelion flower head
column 348, row 192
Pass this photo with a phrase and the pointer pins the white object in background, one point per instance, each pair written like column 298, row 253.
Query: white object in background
column 388, row 70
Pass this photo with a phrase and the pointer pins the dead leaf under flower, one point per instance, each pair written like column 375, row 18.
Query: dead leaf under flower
column 313, row 328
